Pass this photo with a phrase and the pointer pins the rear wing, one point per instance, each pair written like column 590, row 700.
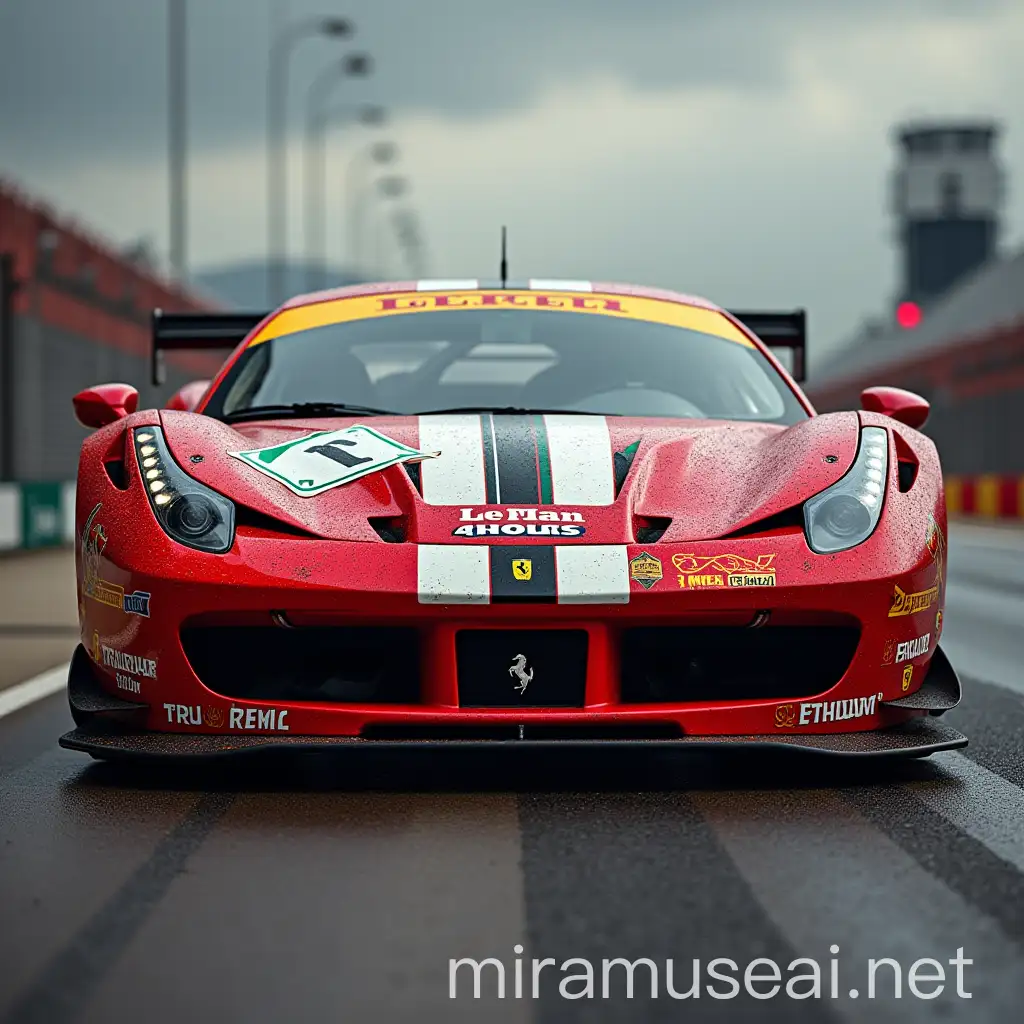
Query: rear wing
column 197, row 332
column 781, row 330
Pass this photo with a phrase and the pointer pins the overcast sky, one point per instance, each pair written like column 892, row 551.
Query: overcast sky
column 739, row 149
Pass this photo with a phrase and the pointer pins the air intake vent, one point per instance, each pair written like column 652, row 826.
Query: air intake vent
column 649, row 531
column 248, row 520
column 680, row 664
column 114, row 464
column 390, row 530
column 907, row 475
column 621, row 464
column 788, row 519
column 413, row 469
column 323, row 664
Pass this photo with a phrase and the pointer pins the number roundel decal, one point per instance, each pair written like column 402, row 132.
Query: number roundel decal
column 330, row 458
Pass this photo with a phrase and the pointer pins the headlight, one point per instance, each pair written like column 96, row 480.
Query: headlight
column 846, row 514
column 189, row 511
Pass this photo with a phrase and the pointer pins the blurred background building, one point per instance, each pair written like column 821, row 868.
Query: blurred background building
column 955, row 333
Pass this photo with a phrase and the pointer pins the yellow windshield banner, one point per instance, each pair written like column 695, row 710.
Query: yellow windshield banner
column 628, row 307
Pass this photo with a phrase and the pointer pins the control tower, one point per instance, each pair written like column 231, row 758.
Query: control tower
column 947, row 198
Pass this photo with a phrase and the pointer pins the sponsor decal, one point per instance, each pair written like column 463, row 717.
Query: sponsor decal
column 97, row 655
column 132, row 664
column 588, row 303
column 330, row 458
column 935, row 543
column 785, row 716
column 526, row 515
column 645, row 569
column 908, row 674
column 522, row 568
column 913, row 648
column 246, row 719
column 127, row 683
column 519, row 671
column 904, row 650
column 519, row 530
column 791, row 716
column 703, row 572
column 632, row 307
column 938, row 625
column 250, row 719
column 519, row 522
column 137, row 603
column 94, row 542
column 910, row 604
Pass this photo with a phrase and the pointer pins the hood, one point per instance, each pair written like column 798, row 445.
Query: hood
column 509, row 478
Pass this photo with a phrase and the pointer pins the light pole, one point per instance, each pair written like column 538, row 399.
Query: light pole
column 392, row 186
column 177, row 128
column 410, row 239
column 315, row 156
column 356, row 187
column 277, row 163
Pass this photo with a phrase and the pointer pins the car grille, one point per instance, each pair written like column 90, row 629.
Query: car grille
column 528, row 668
column 689, row 664
column 332, row 664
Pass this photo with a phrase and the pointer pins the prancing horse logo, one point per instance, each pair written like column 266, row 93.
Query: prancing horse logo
column 518, row 669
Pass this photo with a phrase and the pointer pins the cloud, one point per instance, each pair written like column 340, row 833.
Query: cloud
column 758, row 182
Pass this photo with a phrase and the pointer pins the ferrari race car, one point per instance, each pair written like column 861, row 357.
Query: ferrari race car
column 537, row 514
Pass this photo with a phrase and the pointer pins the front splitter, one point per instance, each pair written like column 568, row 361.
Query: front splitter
column 917, row 738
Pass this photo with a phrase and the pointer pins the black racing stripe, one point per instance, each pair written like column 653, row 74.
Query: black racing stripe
column 490, row 466
column 962, row 863
column 516, row 457
column 634, row 875
column 536, row 561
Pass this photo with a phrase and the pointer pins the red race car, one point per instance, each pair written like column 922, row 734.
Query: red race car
column 553, row 513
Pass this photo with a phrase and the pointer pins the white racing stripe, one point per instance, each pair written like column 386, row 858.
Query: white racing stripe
column 43, row 685
column 581, row 460
column 448, row 285
column 457, row 476
column 453, row 574
column 544, row 285
column 592, row 574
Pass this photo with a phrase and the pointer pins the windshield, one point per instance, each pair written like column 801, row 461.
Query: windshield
column 591, row 359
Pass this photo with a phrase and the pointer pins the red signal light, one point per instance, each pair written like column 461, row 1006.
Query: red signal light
column 908, row 315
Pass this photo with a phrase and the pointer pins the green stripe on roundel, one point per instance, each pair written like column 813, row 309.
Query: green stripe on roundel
column 543, row 461
column 622, row 462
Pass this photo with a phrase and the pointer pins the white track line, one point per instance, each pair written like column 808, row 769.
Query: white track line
column 43, row 685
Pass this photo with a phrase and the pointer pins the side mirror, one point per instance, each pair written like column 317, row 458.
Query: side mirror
column 186, row 398
column 105, row 403
column 904, row 406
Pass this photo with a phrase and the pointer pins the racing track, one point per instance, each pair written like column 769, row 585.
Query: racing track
column 303, row 892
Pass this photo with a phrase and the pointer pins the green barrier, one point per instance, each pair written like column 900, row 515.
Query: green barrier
column 36, row 515
column 41, row 515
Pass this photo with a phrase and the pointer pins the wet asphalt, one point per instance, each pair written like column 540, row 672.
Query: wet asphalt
column 318, row 888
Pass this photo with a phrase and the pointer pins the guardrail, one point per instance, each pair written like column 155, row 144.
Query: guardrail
column 36, row 515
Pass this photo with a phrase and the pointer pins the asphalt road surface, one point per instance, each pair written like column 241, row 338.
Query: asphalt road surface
column 314, row 890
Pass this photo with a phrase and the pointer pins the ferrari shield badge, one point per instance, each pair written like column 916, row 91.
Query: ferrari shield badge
column 330, row 458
